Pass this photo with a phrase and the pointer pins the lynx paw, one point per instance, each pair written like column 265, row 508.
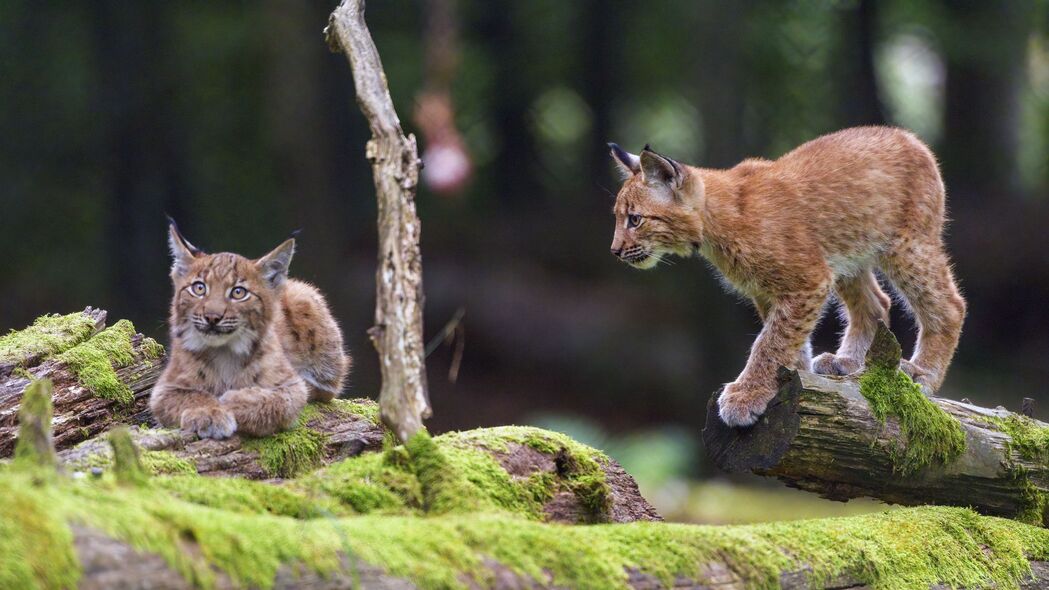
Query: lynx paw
column 209, row 422
column 921, row 376
column 832, row 364
column 740, row 405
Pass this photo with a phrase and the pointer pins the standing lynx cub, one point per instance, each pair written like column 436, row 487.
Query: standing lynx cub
column 249, row 346
column 787, row 233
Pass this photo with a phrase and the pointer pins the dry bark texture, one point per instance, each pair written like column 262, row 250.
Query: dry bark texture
column 345, row 435
column 398, row 333
column 820, row 435
column 79, row 413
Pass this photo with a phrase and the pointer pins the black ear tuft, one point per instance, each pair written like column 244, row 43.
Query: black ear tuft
column 629, row 164
column 177, row 234
column 295, row 234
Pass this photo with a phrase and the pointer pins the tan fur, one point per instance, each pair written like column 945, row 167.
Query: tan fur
column 283, row 347
column 788, row 233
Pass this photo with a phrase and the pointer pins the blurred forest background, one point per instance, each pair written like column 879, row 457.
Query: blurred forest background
column 236, row 119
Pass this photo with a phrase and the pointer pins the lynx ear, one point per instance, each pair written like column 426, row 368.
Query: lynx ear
column 182, row 252
column 628, row 164
column 661, row 170
column 274, row 266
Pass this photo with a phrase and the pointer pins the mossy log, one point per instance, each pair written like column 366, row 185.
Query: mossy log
column 479, row 528
column 326, row 433
column 101, row 376
column 878, row 435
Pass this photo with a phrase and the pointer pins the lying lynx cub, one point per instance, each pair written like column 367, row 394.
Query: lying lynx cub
column 786, row 233
column 249, row 346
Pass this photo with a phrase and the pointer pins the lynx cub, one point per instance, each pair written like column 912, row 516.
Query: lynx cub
column 787, row 233
column 249, row 346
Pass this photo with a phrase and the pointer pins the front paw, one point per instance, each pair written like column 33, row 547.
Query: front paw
column 742, row 405
column 832, row 364
column 209, row 422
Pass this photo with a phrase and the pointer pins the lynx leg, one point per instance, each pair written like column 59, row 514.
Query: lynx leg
column 923, row 276
column 191, row 410
column 791, row 319
column 804, row 360
column 863, row 303
column 262, row 411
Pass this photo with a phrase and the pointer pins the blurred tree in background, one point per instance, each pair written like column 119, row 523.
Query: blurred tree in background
column 234, row 118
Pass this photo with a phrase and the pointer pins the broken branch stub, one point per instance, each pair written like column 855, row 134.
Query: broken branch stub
column 398, row 333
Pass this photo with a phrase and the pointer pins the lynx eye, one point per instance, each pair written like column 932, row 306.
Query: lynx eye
column 198, row 288
column 238, row 293
column 633, row 220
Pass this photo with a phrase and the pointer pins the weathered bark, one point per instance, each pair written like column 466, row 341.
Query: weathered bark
column 79, row 413
column 398, row 330
column 346, row 435
column 819, row 434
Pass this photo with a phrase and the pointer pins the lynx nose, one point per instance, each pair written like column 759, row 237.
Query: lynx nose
column 213, row 318
column 617, row 252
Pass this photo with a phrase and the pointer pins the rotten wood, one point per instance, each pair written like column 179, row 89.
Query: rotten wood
column 79, row 414
column 818, row 434
column 398, row 331
column 346, row 435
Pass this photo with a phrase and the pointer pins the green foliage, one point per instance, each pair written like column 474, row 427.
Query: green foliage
column 49, row 334
column 928, row 433
column 95, row 361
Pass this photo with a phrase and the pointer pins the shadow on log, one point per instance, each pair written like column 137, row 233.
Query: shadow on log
column 825, row 435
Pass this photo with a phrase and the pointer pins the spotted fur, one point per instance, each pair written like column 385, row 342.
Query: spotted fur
column 789, row 233
column 249, row 346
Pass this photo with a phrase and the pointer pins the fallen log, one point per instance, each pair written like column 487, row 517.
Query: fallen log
column 126, row 528
column 102, row 376
column 878, row 435
column 326, row 433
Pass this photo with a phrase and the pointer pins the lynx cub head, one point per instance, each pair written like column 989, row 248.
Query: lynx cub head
column 223, row 300
column 655, row 209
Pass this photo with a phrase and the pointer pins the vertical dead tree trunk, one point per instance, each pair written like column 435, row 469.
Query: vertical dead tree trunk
column 397, row 334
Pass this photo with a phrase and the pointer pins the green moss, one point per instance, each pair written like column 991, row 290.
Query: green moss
column 49, row 334
column 36, row 546
column 928, row 433
column 95, row 361
column 580, row 466
column 1031, row 442
column 291, row 452
column 301, row 449
column 126, row 464
column 896, row 550
column 34, row 449
column 372, row 482
column 358, row 406
column 1026, row 438
column 249, row 497
column 166, row 463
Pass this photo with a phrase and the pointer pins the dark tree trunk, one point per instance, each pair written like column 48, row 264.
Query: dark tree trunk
column 859, row 98
column 980, row 146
